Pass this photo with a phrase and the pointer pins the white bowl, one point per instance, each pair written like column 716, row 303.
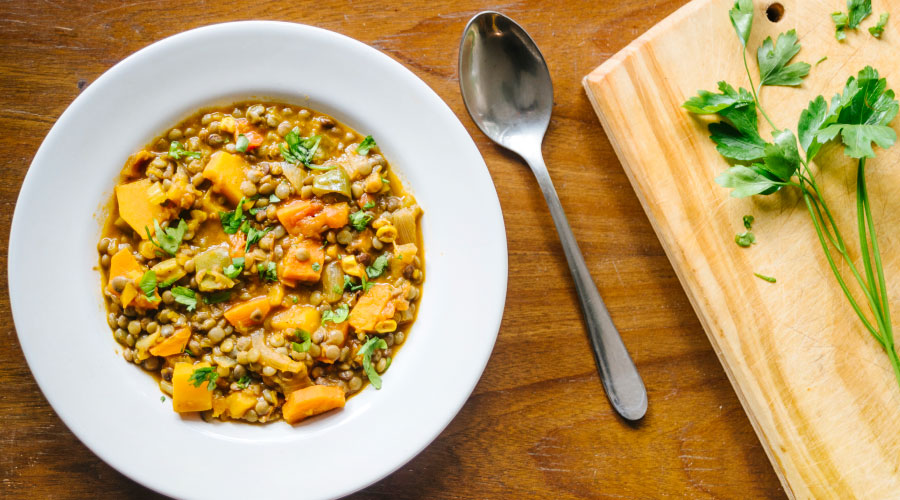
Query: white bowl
column 115, row 408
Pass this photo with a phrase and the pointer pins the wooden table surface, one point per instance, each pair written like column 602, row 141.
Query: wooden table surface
column 538, row 423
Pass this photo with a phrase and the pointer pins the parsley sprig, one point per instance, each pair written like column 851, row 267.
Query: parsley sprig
column 300, row 150
column 857, row 117
column 204, row 374
column 367, row 350
column 168, row 239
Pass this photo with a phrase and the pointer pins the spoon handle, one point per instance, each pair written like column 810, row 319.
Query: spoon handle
column 620, row 378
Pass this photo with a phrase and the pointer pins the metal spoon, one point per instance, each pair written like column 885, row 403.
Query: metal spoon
column 506, row 86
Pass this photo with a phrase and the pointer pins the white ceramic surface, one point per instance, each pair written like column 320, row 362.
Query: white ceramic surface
column 115, row 408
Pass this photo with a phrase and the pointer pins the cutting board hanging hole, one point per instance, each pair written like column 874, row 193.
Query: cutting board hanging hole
column 775, row 12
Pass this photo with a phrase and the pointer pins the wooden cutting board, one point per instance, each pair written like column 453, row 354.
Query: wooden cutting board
column 818, row 389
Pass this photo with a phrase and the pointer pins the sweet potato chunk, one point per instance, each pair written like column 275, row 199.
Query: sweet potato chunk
column 293, row 269
column 371, row 308
column 227, row 171
column 136, row 209
column 311, row 401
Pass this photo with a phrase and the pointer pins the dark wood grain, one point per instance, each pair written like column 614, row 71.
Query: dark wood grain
column 538, row 424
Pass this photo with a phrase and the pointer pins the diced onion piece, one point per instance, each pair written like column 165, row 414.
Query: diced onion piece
column 405, row 223
column 268, row 356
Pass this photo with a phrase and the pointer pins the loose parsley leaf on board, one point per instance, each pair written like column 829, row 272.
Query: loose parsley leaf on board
column 765, row 278
column 745, row 239
column 878, row 29
column 748, row 221
column 773, row 61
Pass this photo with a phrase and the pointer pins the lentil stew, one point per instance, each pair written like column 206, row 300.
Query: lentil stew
column 263, row 261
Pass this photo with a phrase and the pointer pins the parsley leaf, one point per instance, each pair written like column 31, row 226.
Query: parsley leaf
column 840, row 24
column 748, row 181
column 185, row 296
column 366, row 144
column 168, row 239
column 231, row 221
column 367, row 350
column 748, row 221
column 254, row 235
column 741, row 15
column 267, row 272
column 235, row 268
column 773, row 61
column 359, row 220
column 745, row 239
column 364, row 285
column 243, row 382
column 369, row 205
column 315, row 266
column 857, row 10
column 273, row 198
column 305, row 342
column 176, row 151
column 866, row 108
column 148, row 285
column 782, row 158
column 878, row 29
column 377, row 267
column 338, row 315
column 738, row 138
column 765, row 278
column 204, row 374
column 216, row 297
column 242, row 143
column 299, row 150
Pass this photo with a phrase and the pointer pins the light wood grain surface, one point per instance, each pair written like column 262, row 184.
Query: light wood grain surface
column 538, row 424
column 819, row 390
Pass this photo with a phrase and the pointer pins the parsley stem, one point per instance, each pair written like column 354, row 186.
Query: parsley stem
column 753, row 89
column 862, row 191
column 808, row 200
column 861, row 200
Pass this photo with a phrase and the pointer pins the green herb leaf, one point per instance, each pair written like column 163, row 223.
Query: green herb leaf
column 369, row 205
column 741, row 16
column 858, row 10
column 216, row 297
column 267, row 272
column 204, row 374
column 748, row 221
column 148, row 285
column 299, row 150
column 231, row 221
column 243, row 382
column 765, row 278
column 738, row 139
column 305, row 342
column 241, row 144
column 168, row 239
column 273, row 198
column 338, row 315
column 840, row 25
column 254, row 235
column 782, row 158
column 820, row 61
column 773, row 61
column 878, row 29
column 367, row 144
column 735, row 145
column 369, row 348
column 185, row 296
column 235, row 268
column 162, row 399
column 747, row 181
column 176, row 151
column 315, row 266
column 359, row 220
column 377, row 267
column 745, row 239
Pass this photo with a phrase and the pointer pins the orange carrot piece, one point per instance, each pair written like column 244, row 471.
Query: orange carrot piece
column 291, row 214
column 242, row 315
column 124, row 264
column 311, row 401
column 310, row 270
column 236, row 244
column 185, row 396
column 172, row 345
column 336, row 216
column 371, row 308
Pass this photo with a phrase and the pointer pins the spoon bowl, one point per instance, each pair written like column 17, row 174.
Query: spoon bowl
column 506, row 87
column 515, row 103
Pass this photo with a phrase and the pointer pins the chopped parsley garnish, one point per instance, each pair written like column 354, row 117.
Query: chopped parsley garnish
column 242, row 143
column 176, row 151
column 267, row 272
column 360, row 219
column 162, row 399
column 148, row 285
column 216, row 297
column 204, row 374
column 367, row 350
column 296, row 299
column 748, row 221
column 338, row 315
column 235, row 268
column 377, row 267
column 364, row 285
column 300, row 150
column 254, row 235
column 745, row 239
column 231, row 221
column 273, row 198
column 878, row 29
column 316, row 266
column 305, row 341
column 367, row 144
column 369, row 205
column 168, row 239
column 243, row 382
column 185, row 296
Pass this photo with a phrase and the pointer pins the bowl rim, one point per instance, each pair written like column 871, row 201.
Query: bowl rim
column 497, row 253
